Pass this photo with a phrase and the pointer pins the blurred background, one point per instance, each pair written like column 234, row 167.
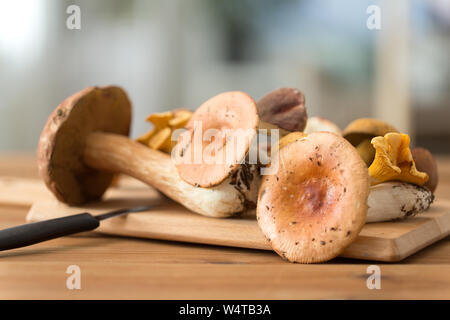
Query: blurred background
column 178, row 53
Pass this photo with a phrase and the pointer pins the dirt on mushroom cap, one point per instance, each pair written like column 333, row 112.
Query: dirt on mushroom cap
column 234, row 112
column 316, row 203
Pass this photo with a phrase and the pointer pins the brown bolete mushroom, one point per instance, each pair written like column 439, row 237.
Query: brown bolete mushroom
column 84, row 142
column 63, row 142
column 361, row 131
column 315, row 205
column 285, row 108
column 395, row 200
column 425, row 162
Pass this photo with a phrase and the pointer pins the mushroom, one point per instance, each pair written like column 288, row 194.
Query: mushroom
column 316, row 124
column 164, row 124
column 63, row 141
column 84, row 142
column 425, row 162
column 394, row 161
column 285, row 108
column 395, row 200
column 233, row 116
column 387, row 201
column 226, row 116
column 315, row 205
column 361, row 131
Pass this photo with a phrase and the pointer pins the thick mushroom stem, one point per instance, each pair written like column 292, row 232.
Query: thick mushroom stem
column 116, row 153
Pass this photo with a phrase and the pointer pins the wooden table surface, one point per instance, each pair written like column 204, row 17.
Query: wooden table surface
column 123, row 268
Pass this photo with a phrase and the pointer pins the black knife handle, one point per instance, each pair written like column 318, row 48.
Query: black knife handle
column 31, row 233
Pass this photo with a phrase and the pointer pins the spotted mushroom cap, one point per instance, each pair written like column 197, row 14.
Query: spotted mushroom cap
column 315, row 204
column 206, row 161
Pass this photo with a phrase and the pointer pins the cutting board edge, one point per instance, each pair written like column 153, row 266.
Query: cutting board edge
column 444, row 231
column 181, row 239
column 388, row 247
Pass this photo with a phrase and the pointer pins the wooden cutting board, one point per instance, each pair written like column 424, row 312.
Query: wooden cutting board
column 387, row 241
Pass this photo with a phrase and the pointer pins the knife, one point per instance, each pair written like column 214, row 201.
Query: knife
column 32, row 233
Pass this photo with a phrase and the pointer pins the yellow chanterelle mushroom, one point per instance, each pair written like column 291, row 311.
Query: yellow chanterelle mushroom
column 394, row 161
column 164, row 124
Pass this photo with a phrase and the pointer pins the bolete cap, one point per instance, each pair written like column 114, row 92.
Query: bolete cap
column 204, row 154
column 425, row 162
column 366, row 128
column 62, row 142
column 315, row 204
column 285, row 108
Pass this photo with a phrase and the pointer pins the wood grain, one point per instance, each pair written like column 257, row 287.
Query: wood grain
column 131, row 268
column 24, row 192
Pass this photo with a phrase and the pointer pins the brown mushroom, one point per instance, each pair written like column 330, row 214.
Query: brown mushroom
column 316, row 203
column 226, row 113
column 285, row 108
column 62, row 142
column 361, row 131
column 84, row 142
column 425, row 162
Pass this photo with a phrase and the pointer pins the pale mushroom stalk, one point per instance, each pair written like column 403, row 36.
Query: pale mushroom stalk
column 397, row 200
column 109, row 152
